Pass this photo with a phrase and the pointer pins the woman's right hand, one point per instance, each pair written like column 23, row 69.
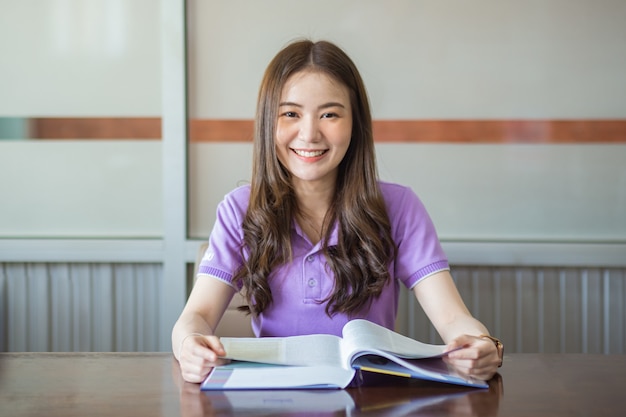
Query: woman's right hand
column 198, row 355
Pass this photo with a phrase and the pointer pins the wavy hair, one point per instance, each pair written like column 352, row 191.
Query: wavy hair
column 365, row 248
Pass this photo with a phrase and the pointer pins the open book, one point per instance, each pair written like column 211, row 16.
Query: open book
column 328, row 361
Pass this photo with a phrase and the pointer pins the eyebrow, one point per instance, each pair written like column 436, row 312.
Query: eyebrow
column 323, row 106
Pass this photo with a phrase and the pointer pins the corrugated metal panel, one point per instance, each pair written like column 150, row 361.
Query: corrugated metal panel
column 549, row 310
column 79, row 307
column 114, row 307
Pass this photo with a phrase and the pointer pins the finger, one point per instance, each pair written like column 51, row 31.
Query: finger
column 206, row 347
column 483, row 373
column 214, row 343
column 474, row 349
column 474, row 358
column 466, row 352
column 193, row 377
column 199, row 358
column 462, row 343
column 459, row 342
column 196, row 371
column 477, row 368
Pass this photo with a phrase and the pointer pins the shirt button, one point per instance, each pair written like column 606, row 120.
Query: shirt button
column 312, row 282
column 310, row 258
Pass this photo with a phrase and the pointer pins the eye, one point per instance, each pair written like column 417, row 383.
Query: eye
column 290, row 114
column 329, row 115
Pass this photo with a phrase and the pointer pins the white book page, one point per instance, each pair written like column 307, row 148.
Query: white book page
column 289, row 377
column 362, row 335
column 307, row 350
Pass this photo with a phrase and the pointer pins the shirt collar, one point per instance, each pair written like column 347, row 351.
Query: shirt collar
column 332, row 241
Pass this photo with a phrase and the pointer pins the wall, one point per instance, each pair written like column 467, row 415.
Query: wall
column 82, row 252
column 442, row 60
column 420, row 60
column 77, row 201
column 424, row 59
column 72, row 58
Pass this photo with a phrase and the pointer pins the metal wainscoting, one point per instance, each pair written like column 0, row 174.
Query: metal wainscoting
column 79, row 307
column 114, row 307
column 577, row 310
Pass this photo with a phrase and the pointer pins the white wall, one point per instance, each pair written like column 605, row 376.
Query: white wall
column 485, row 59
column 82, row 189
column 80, row 58
column 482, row 192
column 73, row 58
column 420, row 59
column 549, row 193
column 425, row 58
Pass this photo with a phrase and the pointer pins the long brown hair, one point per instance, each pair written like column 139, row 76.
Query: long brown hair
column 365, row 248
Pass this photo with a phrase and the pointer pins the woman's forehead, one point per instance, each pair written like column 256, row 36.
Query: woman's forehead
column 308, row 83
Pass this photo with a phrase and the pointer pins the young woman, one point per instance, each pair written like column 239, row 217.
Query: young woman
column 316, row 239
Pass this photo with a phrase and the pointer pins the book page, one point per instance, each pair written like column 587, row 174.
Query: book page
column 363, row 336
column 431, row 369
column 307, row 350
column 244, row 375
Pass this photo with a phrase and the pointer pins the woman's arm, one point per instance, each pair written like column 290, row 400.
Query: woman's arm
column 442, row 303
column 193, row 342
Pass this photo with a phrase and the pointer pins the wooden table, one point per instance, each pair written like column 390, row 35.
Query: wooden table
column 149, row 384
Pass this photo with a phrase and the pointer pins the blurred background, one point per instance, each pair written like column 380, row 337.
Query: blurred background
column 123, row 123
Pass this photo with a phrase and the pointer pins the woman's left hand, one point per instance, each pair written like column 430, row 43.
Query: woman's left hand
column 478, row 357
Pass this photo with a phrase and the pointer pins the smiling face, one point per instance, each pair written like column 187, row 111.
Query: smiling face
column 313, row 129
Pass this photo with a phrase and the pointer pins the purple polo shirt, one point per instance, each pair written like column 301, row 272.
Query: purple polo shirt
column 298, row 286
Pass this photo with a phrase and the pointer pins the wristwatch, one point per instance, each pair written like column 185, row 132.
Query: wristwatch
column 499, row 346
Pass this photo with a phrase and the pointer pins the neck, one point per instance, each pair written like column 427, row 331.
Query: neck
column 313, row 204
column 314, row 200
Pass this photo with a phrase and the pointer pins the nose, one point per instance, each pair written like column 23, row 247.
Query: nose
column 309, row 130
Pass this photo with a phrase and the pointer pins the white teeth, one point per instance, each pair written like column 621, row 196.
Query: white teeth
column 308, row 154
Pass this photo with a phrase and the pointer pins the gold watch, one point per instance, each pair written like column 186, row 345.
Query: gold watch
column 499, row 346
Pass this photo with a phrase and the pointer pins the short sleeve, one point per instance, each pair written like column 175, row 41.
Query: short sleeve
column 223, row 257
column 419, row 252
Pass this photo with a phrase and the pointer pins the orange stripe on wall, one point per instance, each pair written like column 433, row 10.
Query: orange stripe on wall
column 501, row 131
column 211, row 130
column 95, row 128
column 398, row 131
column 446, row 131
